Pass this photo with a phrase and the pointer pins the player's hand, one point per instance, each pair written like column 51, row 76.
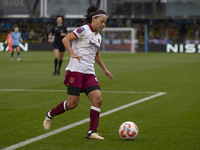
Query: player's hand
column 77, row 57
column 50, row 40
column 109, row 75
column 63, row 34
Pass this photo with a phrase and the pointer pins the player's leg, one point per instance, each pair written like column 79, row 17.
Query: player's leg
column 96, row 99
column 64, row 106
column 71, row 80
column 10, row 47
column 92, row 90
column 60, row 61
column 56, row 54
column 71, row 103
column 74, row 82
column 62, row 50
column 94, row 94
column 18, row 53
column 12, row 53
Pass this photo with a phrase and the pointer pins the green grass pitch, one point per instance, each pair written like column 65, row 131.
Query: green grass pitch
column 167, row 122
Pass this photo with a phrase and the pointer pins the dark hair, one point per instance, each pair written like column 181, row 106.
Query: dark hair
column 59, row 16
column 15, row 27
column 92, row 11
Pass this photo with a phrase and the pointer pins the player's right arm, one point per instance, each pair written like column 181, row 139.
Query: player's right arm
column 66, row 41
column 49, row 37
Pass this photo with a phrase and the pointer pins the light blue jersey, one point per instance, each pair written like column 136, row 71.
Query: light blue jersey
column 16, row 38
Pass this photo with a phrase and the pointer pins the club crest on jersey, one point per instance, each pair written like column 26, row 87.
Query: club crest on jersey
column 79, row 30
column 71, row 80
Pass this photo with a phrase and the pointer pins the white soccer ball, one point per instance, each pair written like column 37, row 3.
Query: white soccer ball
column 128, row 130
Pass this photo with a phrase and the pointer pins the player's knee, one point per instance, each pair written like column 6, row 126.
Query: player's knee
column 98, row 101
column 72, row 105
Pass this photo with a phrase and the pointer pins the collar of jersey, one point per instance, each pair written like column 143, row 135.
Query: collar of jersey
column 91, row 28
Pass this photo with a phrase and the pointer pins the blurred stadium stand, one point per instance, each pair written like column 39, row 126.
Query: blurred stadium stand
column 168, row 21
column 161, row 31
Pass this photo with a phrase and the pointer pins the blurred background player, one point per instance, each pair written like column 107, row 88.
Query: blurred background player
column 10, row 49
column 16, row 35
column 80, row 75
column 59, row 32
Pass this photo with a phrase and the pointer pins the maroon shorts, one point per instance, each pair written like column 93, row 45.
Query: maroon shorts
column 81, row 80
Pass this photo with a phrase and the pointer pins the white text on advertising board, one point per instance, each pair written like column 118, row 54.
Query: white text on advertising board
column 183, row 48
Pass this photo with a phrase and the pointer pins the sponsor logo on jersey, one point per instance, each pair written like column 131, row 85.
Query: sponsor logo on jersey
column 79, row 30
column 93, row 44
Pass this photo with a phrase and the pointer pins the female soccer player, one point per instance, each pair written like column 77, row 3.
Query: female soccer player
column 16, row 35
column 80, row 75
column 9, row 43
column 60, row 32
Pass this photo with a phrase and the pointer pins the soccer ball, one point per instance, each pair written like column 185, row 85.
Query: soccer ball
column 128, row 130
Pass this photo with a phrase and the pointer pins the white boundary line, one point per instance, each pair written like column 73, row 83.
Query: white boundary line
column 43, row 136
column 37, row 90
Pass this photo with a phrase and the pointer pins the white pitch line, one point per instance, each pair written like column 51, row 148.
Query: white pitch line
column 131, row 104
column 43, row 136
column 38, row 90
column 129, row 92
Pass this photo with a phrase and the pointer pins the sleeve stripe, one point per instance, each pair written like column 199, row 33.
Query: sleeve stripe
column 75, row 35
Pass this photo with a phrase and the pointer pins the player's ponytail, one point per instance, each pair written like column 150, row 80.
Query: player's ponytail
column 92, row 11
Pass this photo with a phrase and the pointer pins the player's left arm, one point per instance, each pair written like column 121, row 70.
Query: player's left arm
column 101, row 64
